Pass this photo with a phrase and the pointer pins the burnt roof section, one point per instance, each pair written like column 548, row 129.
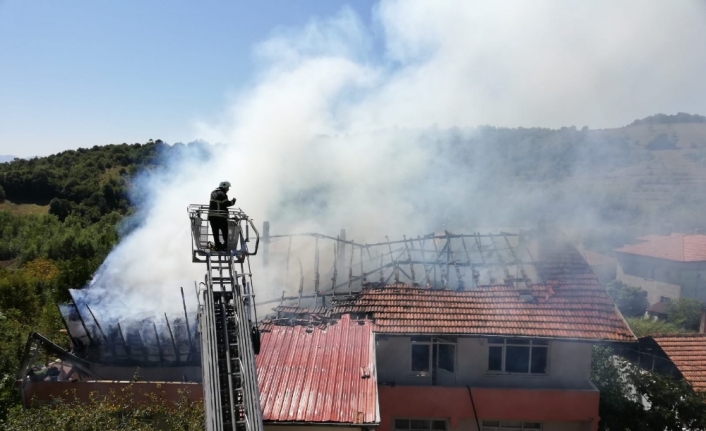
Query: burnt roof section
column 568, row 303
column 676, row 247
column 688, row 353
column 318, row 374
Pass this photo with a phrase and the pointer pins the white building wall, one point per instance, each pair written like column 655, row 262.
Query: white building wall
column 655, row 289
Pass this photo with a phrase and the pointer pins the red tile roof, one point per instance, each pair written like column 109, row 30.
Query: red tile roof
column 323, row 374
column 688, row 353
column 568, row 303
column 679, row 247
column 660, row 307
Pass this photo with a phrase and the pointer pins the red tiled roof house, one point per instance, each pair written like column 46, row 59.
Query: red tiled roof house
column 497, row 357
column 666, row 267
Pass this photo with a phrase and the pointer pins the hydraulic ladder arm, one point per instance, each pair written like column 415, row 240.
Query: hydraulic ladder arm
column 229, row 336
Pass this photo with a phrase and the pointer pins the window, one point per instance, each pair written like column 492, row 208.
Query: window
column 420, row 357
column 518, row 355
column 430, row 354
column 447, row 355
column 420, row 425
column 510, row 426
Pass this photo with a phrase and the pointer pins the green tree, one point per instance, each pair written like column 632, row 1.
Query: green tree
column 2, row 194
column 60, row 208
column 685, row 313
column 117, row 411
column 631, row 300
column 642, row 327
column 632, row 399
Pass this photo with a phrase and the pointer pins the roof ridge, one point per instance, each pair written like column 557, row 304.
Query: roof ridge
column 680, row 335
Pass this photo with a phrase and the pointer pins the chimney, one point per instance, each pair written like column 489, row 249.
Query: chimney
column 702, row 326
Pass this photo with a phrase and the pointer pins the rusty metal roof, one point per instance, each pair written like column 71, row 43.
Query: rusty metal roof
column 678, row 247
column 318, row 374
column 568, row 303
column 688, row 353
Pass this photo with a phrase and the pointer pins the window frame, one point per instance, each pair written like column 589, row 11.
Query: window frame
column 499, row 426
column 530, row 345
column 432, row 342
column 410, row 419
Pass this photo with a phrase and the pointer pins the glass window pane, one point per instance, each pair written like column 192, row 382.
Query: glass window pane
column 532, row 426
column 514, row 424
column 447, row 355
column 491, row 423
column 517, row 359
column 418, row 424
column 540, row 342
column 438, row 425
column 539, row 360
column 420, row 357
column 420, row 338
column 496, row 340
column 488, row 429
column 495, row 358
column 518, row 341
column 402, row 424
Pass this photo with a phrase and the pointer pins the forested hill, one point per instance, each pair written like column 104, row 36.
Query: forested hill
column 58, row 219
column 89, row 182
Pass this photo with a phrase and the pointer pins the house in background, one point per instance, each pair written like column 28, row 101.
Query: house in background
column 672, row 266
column 658, row 310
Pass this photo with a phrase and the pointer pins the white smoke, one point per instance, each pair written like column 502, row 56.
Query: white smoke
column 335, row 132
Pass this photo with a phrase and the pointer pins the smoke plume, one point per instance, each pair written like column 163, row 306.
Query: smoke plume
column 359, row 127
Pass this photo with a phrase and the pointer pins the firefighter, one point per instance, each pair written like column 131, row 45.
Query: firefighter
column 218, row 214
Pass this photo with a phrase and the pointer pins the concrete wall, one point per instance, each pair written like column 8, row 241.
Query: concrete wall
column 661, row 277
column 655, row 289
column 569, row 366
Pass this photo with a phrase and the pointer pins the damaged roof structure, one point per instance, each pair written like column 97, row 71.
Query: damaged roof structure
column 562, row 298
column 466, row 297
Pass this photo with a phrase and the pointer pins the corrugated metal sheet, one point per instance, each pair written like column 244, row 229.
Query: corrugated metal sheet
column 678, row 247
column 321, row 374
column 688, row 353
column 569, row 303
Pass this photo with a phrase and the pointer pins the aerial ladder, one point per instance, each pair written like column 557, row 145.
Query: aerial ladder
column 229, row 335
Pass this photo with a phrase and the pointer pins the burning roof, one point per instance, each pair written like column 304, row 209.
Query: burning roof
column 554, row 293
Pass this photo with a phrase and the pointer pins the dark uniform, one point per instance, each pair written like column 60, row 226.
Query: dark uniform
column 218, row 217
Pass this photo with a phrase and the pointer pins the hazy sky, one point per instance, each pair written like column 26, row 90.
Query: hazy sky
column 83, row 73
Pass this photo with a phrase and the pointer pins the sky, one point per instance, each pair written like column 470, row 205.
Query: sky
column 84, row 73
column 80, row 73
